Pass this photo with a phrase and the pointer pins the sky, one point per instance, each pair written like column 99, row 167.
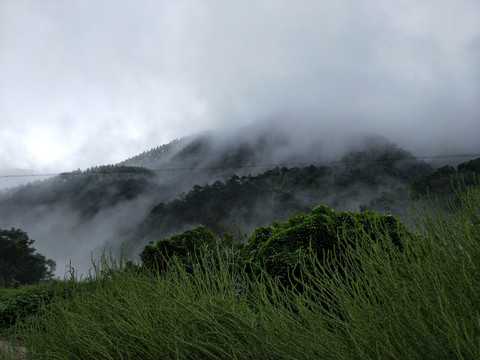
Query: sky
column 85, row 83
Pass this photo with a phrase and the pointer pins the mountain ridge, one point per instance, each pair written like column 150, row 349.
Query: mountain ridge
column 121, row 205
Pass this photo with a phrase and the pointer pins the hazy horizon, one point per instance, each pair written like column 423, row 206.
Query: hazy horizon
column 91, row 83
column 10, row 178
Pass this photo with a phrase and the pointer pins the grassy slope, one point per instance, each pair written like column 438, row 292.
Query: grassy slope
column 422, row 303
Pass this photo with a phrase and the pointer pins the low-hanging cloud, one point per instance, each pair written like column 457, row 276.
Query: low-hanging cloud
column 88, row 83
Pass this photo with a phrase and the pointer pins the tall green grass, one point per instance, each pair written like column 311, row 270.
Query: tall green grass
column 376, row 302
column 422, row 302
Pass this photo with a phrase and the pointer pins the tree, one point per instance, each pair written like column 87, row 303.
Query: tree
column 18, row 260
column 184, row 246
column 281, row 247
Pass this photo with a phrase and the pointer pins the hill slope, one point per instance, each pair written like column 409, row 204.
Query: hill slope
column 228, row 182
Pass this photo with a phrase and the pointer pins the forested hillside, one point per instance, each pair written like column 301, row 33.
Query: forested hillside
column 226, row 183
column 243, row 203
column 86, row 191
column 444, row 180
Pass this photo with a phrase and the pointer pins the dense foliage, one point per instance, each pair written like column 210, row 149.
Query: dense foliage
column 445, row 180
column 282, row 247
column 184, row 246
column 20, row 305
column 245, row 202
column 418, row 303
column 19, row 263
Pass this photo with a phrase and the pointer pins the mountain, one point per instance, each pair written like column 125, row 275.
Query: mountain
column 228, row 181
column 375, row 177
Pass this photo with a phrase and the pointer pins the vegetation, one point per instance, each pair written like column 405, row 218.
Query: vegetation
column 280, row 248
column 87, row 191
column 184, row 247
column 378, row 300
column 19, row 263
column 316, row 284
column 229, row 193
column 246, row 202
column 18, row 306
column 440, row 181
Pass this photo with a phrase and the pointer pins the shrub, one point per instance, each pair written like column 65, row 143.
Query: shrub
column 281, row 247
column 183, row 246
column 18, row 305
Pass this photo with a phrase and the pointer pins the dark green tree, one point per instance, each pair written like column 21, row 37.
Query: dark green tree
column 18, row 260
column 184, row 246
column 281, row 247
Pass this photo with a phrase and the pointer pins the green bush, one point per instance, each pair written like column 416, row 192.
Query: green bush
column 281, row 247
column 183, row 246
column 18, row 305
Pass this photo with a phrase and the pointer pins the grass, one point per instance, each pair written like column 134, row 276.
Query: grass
column 377, row 302
column 19, row 305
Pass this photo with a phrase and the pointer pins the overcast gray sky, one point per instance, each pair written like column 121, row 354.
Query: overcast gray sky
column 86, row 82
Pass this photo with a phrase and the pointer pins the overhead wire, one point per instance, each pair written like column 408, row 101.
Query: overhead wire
column 192, row 168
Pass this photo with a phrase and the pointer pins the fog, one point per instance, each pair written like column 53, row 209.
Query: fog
column 73, row 224
column 86, row 83
column 91, row 83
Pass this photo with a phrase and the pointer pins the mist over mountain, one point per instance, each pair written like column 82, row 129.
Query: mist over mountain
column 229, row 181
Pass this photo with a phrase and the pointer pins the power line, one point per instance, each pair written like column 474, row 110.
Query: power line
column 252, row 166
column 27, row 175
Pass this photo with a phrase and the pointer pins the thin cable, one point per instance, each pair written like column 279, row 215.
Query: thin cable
column 250, row 166
column 28, row 175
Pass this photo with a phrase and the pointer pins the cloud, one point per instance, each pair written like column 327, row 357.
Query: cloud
column 88, row 83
